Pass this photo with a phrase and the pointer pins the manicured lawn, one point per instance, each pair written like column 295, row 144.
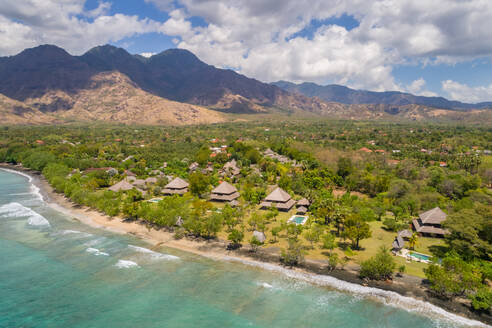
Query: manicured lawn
column 369, row 247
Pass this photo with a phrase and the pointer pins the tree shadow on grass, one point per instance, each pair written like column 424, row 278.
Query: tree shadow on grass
column 439, row 250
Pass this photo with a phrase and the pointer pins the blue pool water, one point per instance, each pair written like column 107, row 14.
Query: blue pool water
column 420, row 256
column 56, row 272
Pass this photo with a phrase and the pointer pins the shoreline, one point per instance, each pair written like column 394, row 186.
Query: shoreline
column 408, row 287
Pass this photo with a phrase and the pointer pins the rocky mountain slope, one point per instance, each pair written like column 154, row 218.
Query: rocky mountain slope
column 344, row 95
column 108, row 97
column 47, row 85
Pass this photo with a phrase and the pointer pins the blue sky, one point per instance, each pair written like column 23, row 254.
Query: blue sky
column 439, row 48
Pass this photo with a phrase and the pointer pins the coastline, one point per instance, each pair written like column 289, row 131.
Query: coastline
column 312, row 271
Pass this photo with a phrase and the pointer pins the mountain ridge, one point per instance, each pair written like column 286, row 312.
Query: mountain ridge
column 346, row 95
column 49, row 83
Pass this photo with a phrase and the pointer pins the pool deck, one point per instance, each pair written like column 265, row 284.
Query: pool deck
column 408, row 255
column 294, row 217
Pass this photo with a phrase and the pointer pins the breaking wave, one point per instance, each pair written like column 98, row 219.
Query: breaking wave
column 124, row 264
column 387, row 297
column 153, row 255
column 18, row 210
column 34, row 189
column 96, row 252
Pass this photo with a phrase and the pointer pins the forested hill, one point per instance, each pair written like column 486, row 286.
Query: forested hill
column 344, row 95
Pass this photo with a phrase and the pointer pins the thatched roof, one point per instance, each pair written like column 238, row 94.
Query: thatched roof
column 138, row 182
column 234, row 203
column 301, row 210
column 398, row 243
column 428, row 229
column 177, row 183
column 232, row 164
column 433, row 216
column 151, row 180
column 225, row 188
column 405, row 233
column 121, row 186
column 303, row 202
column 260, row 236
column 278, row 195
column 279, row 205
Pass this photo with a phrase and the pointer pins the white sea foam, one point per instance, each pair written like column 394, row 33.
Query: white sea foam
column 18, row 210
column 94, row 242
column 124, row 264
column 387, row 297
column 154, row 255
column 265, row 285
column 18, row 172
column 96, row 252
column 77, row 233
column 34, row 189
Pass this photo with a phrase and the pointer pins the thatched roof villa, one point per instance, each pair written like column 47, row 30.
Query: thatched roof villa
column 279, row 199
column 225, row 192
column 230, row 168
column 303, row 202
column 301, row 210
column 121, row 186
column 177, row 186
column 398, row 243
column 429, row 223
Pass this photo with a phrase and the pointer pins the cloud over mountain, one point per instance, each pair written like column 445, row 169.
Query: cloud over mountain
column 277, row 39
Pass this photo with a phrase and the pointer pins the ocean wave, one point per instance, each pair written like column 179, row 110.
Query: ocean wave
column 34, row 189
column 124, row 264
column 389, row 298
column 94, row 241
column 154, row 255
column 96, row 252
column 18, row 210
column 77, row 233
column 19, row 173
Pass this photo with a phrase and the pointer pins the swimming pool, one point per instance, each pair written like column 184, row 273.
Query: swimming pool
column 420, row 256
column 298, row 219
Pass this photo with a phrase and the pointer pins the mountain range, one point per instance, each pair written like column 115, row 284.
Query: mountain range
column 46, row 84
column 345, row 95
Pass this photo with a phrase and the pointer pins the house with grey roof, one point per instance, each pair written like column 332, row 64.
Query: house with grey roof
column 224, row 192
column 121, row 186
column 278, row 198
column 177, row 186
column 398, row 243
column 230, row 169
column 429, row 223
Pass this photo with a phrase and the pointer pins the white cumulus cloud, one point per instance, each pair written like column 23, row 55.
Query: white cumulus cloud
column 27, row 23
column 465, row 93
column 260, row 38
column 417, row 87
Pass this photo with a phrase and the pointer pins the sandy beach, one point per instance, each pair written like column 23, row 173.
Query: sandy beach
column 405, row 285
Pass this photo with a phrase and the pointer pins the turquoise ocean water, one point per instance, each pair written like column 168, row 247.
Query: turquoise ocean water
column 57, row 272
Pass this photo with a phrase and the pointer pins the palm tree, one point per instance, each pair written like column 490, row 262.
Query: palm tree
column 412, row 241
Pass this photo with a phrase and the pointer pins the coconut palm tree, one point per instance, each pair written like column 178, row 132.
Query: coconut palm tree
column 412, row 241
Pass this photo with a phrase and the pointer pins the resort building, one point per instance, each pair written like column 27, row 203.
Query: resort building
column 121, row 186
column 225, row 192
column 260, row 236
column 405, row 234
column 230, row 169
column 429, row 223
column 124, row 185
column 398, row 243
column 177, row 186
column 302, row 206
column 193, row 166
column 279, row 199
